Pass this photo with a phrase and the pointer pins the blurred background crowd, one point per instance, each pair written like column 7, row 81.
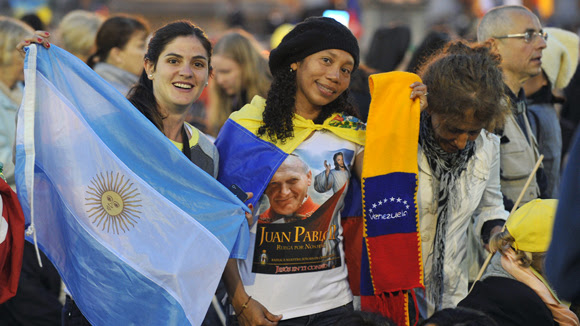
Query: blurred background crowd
column 393, row 34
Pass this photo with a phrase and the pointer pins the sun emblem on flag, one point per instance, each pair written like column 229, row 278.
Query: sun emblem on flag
column 113, row 202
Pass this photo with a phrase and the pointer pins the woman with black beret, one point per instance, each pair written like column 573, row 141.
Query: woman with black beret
column 302, row 278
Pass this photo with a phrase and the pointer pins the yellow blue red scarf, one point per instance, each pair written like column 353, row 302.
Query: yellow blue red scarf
column 391, row 260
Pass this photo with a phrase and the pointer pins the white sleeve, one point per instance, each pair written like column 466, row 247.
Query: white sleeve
column 491, row 205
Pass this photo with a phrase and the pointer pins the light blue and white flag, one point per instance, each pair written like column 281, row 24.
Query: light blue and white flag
column 139, row 234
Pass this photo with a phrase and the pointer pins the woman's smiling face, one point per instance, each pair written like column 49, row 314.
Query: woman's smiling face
column 180, row 74
column 322, row 77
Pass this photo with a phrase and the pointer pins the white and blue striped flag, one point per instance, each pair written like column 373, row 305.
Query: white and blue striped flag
column 139, row 234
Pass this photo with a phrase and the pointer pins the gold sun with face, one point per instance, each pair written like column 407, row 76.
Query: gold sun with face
column 113, row 202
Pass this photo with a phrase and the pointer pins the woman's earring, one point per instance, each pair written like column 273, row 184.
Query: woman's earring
column 150, row 76
column 291, row 70
column 206, row 84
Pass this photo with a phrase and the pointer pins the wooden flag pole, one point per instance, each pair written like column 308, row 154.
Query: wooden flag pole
column 488, row 259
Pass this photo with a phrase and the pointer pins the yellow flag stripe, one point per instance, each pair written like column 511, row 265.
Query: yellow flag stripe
column 394, row 146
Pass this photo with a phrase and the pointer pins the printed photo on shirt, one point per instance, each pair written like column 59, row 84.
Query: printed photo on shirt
column 298, row 224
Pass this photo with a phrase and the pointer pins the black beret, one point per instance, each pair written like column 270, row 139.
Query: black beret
column 313, row 35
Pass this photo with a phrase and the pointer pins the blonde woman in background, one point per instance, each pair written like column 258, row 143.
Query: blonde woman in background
column 11, row 78
column 77, row 32
column 240, row 71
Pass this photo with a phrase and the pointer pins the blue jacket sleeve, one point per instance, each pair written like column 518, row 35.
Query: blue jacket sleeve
column 563, row 259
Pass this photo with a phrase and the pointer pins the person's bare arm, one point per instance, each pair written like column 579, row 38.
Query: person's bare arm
column 254, row 313
column 358, row 164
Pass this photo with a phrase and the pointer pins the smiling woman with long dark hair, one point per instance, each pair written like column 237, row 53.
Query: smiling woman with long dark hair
column 177, row 68
column 306, row 112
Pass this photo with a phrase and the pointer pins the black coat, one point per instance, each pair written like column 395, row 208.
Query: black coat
column 509, row 302
column 37, row 298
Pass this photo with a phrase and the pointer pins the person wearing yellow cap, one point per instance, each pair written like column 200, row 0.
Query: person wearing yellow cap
column 513, row 290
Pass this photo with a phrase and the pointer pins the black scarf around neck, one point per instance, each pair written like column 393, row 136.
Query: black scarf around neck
column 446, row 169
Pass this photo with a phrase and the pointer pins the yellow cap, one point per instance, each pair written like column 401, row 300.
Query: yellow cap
column 279, row 34
column 531, row 225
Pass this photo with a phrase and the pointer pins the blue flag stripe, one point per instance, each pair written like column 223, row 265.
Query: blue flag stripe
column 236, row 144
column 390, row 204
column 73, row 249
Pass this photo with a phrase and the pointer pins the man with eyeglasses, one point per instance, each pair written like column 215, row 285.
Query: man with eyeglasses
column 517, row 35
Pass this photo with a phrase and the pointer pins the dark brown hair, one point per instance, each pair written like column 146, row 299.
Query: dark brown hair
column 115, row 32
column 466, row 77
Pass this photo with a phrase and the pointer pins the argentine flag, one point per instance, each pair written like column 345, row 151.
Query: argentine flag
column 139, row 234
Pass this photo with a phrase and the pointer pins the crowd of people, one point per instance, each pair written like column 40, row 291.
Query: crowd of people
column 488, row 109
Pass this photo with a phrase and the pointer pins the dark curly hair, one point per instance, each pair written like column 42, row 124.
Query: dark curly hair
column 280, row 107
column 466, row 76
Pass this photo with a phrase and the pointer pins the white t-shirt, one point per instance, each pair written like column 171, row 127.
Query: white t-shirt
column 295, row 265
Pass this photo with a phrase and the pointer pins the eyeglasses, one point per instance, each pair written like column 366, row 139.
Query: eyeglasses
column 528, row 36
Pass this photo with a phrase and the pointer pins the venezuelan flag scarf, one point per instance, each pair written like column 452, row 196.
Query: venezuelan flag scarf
column 249, row 161
column 391, row 257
